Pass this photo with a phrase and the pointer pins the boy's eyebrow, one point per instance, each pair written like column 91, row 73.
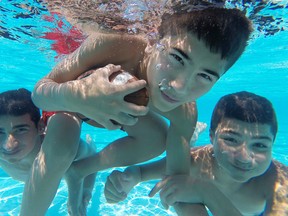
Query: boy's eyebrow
column 213, row 73
column 21, row 125
column 185, row 55
column 254, row 137
column 262, row 137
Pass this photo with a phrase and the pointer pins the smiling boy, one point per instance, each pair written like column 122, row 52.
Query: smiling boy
column 236, row 173
column 26, row 140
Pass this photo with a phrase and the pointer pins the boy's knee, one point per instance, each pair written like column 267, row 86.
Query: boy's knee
column 63, row 136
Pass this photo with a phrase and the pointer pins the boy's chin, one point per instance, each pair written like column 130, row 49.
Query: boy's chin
column 163, row 107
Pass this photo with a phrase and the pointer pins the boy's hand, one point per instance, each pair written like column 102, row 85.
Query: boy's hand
column 100, row 100
column 177, row 188
column 119, row 184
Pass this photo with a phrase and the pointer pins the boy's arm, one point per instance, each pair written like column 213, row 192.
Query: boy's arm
column 188, row 209
column 119, row 184
column 193, row 190
column 56, row 155
column 182, row 125
column 93, row 96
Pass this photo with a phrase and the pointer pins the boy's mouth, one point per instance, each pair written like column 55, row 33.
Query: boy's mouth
column 165, row 87
column 168, row 98
column 12, row 152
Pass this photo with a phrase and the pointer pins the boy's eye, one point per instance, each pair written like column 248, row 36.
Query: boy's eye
column 260, row 146
column 178, row 58
column 21, row 130
column 230, row 140
column 206, row 76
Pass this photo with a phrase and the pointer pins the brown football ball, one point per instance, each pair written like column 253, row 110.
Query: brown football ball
column 121, row 77
column 139, row 97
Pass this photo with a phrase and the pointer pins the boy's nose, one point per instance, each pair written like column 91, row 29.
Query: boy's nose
column 11, row 144
column 180, row 85
column 244, row 156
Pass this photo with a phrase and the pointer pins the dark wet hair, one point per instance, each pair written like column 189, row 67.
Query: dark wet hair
column 247, row 107
column 226, row 31
column 18, row 102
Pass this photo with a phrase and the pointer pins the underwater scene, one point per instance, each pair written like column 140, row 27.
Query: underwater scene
column 35, row 35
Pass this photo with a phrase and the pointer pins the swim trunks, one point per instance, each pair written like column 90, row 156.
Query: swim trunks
column 46, row 115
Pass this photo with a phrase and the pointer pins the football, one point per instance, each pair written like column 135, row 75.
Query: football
column 121, row 77
column 139, row 97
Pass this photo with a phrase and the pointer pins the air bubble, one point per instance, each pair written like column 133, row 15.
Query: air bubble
column 160, row 47
column 158, row 66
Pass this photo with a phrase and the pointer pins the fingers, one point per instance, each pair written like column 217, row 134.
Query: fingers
column 110, row 69
column 166, row 196
column 112, row 197
column 166, row 192
column 133, row 86
column 113, row 188
column 156, row 188
column 159, row 186
column 114, row 179
column 135, row 110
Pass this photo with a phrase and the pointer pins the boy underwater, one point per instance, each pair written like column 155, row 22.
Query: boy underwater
column 25, row 140
column 237, row 164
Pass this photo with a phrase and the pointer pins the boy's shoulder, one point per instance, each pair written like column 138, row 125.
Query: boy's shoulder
column 272, row 180
column 276, row 172
column 202, row 159
column 281, row 171
column 275, row 185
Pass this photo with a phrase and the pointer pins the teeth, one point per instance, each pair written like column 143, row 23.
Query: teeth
column 164, row 85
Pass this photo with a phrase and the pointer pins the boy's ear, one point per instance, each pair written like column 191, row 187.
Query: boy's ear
column 41, row 126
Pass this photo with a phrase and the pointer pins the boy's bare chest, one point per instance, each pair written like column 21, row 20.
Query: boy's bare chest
column 17, row 171
column 247, row 199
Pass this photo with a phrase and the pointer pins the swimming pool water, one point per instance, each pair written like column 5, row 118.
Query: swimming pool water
column 263, row 69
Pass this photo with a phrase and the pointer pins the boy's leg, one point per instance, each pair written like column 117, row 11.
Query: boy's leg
column 79, row 191
column 88, row 186
column 56, row 155
column 75, row 192
column 145, row 141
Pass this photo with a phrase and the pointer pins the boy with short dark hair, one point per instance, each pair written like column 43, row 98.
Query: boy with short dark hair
column 194, row 50
column 26, row 140
column 235, row 173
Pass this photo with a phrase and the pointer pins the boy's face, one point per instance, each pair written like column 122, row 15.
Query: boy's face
column 180, row 70
column 18, row 136
column 243, row 150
